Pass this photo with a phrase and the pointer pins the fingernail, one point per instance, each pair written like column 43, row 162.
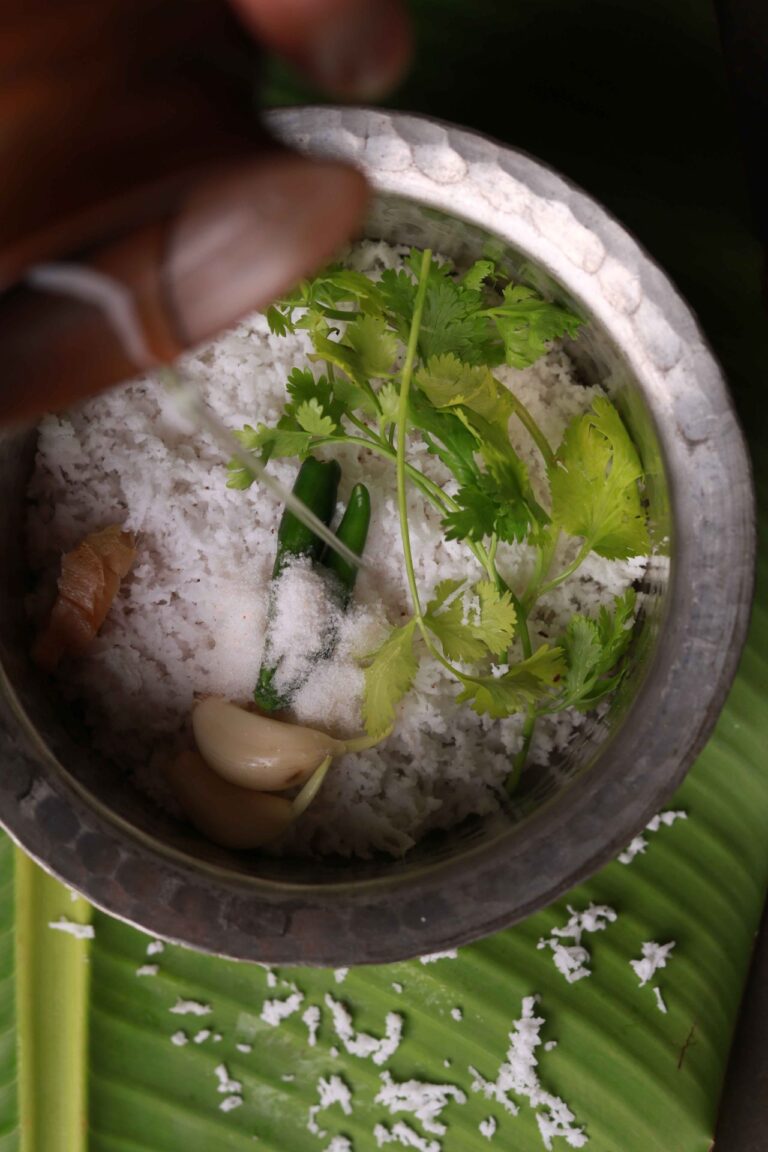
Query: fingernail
column 251, row 234
column 363, row 53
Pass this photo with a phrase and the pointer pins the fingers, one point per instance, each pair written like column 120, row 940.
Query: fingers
column 355, row 49
column 236, row 242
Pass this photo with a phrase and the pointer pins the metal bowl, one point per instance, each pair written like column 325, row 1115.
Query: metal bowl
column 464, row 196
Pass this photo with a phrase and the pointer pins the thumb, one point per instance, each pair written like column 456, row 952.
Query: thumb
column 235, row 242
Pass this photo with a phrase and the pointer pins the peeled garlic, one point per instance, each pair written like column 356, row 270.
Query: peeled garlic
column 228, row 815
column 256, row 751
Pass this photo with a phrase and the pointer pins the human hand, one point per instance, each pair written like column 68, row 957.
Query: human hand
column 134, row 149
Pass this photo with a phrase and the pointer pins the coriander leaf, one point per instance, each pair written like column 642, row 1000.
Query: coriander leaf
column 238, row 476
column 450, row 383
column 498, row 618
column 389, row 401
column 303, row 388
column 311, row 418
column 445, row 616
column 593, row 650
column 498, row 503
column 477, row 512
column 279, row 322
column 594, row 485
column 583, row 656
column 525, row 684
column 337, row 285
column 453, row 321
column 398, row 291
column 352, row 398
column 478, row 273
column 528, row 324
column 269, row 442
column 445, row 435
column 388, row 676
column 615, row 628
column 375, row 346
column 471, row 629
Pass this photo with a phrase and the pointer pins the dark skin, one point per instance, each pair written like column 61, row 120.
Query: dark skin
column 134, row 150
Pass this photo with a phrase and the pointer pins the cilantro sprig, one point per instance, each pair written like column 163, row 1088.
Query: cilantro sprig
column 413, row 355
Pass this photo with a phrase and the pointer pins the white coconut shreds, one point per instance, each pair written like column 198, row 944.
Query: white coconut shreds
column 433, row 957
column 190, row 1008
column 487, row 1128
column 402, row 1133
column 273, row 1012
column 424, row 1101
column 519, row 1075
column 638, row 846
column 312, row 1020
column 72, row 928
column 360, row 1043
column 190, row 618
column 660, row 1002
column 331, row 1091
column 572, row 960
column 654, row 956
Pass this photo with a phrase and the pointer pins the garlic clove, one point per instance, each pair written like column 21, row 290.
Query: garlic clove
column 257, row 751
column 230, row 816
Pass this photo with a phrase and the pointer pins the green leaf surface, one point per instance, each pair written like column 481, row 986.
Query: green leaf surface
column 389, row 674
column 594, row 484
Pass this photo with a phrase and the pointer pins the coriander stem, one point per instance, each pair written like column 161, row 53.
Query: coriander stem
column 430, row 489
column 339, row 313
column 533, row 430
column 402, row 421
column 581, row 556
column 544, row 556
column 513, row 779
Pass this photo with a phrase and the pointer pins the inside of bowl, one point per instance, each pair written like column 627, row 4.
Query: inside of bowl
column 108, row 789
